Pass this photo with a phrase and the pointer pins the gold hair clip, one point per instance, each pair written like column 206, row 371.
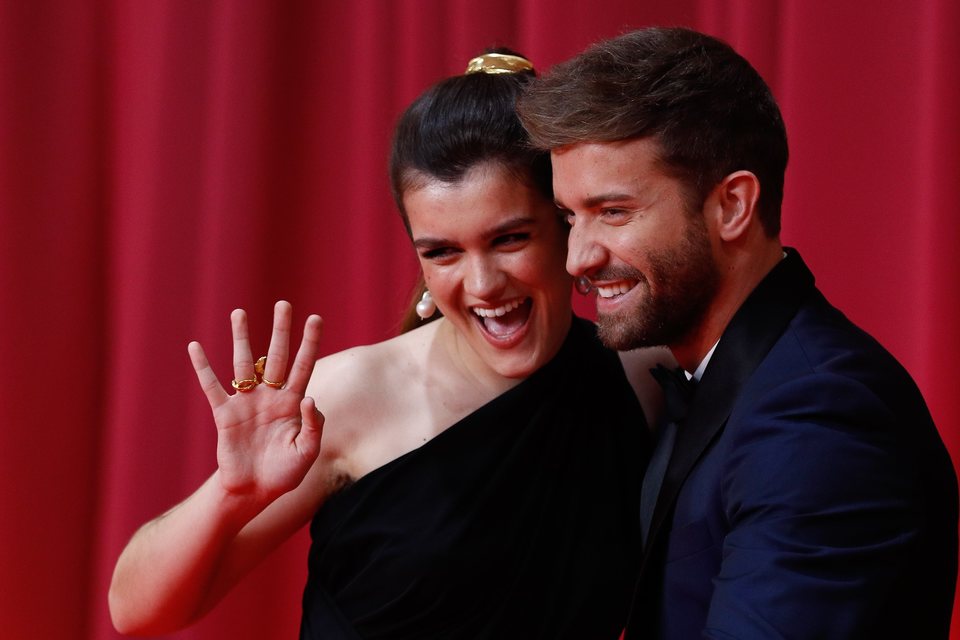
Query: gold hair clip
column 498, row 63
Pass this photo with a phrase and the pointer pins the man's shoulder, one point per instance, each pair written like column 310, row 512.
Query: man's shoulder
column 824, row 340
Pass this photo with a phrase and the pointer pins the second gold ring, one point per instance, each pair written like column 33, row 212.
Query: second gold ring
column 259, row 367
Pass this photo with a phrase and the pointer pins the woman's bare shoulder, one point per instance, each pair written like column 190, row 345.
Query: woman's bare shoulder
column 365, row 396
column 380, row 369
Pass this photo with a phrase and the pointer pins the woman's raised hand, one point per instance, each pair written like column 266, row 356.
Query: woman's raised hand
column 268, row 432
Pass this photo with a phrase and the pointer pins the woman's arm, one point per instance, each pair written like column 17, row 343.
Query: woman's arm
column 177, row 566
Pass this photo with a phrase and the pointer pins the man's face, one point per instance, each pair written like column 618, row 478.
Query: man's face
column 633, row 237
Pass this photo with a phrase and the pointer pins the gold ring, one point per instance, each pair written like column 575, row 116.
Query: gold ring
column 259, row 367
column 245, row 385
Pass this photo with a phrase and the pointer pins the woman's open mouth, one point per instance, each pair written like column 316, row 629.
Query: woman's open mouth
column 505, row 322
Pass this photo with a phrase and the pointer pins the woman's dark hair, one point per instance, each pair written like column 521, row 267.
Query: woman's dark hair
column 457, row 124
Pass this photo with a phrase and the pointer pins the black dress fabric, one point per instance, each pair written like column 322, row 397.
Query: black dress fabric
column 519, row 521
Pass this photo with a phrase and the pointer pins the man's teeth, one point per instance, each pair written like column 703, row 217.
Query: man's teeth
column 499, row 311
column 613, row 290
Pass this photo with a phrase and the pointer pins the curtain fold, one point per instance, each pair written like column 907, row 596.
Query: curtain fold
column 163, row 162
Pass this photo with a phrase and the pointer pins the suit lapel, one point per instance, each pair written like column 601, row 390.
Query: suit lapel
column 752, row 332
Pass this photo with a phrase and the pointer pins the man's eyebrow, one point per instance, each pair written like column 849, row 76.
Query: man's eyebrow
column 598, row 199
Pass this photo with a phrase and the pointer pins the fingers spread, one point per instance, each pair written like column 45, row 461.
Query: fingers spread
column 273, row 370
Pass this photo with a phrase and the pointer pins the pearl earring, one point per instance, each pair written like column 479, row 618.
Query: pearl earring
column 426, row 307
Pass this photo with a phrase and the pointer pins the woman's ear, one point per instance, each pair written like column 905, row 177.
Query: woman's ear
column 737, row 196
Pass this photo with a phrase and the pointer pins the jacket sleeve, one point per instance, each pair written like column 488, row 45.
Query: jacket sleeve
column 823, row 507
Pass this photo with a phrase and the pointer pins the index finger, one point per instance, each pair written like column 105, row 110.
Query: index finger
column 306, row 355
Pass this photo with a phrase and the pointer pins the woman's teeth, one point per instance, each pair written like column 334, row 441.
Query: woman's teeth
column 498, row 311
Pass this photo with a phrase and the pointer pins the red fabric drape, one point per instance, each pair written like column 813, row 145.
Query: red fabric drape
column 162, row 162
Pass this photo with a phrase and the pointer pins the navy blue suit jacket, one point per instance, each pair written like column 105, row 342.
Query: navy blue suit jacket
column 809, row 494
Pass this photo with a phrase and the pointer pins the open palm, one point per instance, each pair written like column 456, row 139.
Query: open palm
column 268, row 435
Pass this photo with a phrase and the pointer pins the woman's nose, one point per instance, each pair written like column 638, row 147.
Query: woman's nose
column 484, row 278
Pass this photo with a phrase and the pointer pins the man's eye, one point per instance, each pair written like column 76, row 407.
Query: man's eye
column 615, row 215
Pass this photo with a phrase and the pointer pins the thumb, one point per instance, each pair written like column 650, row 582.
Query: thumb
column 311, row 429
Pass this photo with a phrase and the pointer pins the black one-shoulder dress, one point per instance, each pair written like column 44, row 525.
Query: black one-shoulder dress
column 519, row 521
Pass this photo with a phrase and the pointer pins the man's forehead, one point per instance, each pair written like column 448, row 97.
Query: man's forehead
column 603, row 171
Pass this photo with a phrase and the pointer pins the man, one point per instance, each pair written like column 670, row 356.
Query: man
column 805, row 492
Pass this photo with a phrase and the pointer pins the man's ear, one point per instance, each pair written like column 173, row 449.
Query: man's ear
column 736, row 197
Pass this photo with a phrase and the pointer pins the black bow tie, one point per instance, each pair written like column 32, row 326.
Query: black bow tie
column 678, row 391
column 678, row 396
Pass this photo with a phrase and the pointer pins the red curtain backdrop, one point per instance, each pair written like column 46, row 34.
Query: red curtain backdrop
column 163, row 162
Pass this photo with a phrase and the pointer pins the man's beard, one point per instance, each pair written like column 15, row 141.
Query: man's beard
column 686, row 278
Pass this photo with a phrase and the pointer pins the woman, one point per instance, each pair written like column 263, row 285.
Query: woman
column 478, row 475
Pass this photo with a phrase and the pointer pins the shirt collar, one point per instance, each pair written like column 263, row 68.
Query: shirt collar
column 698, row 373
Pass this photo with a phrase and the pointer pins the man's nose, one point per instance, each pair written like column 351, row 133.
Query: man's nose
column 584, row 253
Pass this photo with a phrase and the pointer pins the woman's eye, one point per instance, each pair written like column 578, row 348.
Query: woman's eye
column 437, row 254
column 511, row 239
